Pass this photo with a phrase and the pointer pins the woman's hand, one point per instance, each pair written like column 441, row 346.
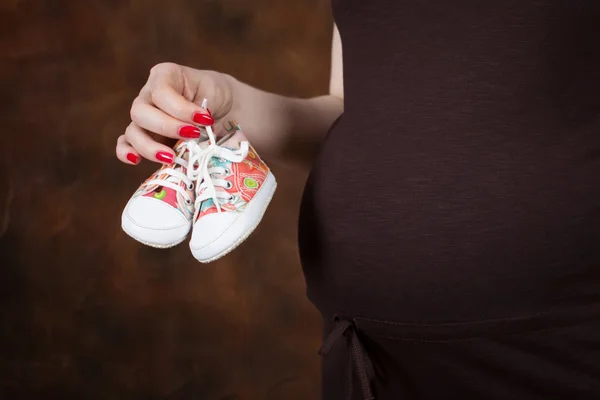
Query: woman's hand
column 169, row 107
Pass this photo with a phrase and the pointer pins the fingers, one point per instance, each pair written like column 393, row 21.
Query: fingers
column 154, row 120
column 126, row 153
column 163, row 110
column 142, row 143
column 167, row 99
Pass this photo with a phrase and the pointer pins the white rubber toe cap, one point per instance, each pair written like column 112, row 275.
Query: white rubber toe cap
column 216, row 233
column 154, row 222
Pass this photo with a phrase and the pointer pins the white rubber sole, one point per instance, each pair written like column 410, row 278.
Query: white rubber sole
column 241, row 228
column 161, row 239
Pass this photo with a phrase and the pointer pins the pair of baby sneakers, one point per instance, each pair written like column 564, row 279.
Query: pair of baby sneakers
column 217, row 189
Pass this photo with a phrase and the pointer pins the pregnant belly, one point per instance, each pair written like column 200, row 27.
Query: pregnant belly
column 442, row 236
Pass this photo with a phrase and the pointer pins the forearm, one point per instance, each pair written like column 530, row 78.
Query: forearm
column 287, row 130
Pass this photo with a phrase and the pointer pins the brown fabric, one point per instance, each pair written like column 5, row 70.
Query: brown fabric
column 459, row 190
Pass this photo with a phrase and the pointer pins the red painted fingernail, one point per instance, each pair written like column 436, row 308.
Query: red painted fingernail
column 203, row 119
column 189, row 132
column 133, row 158
column 165, row 157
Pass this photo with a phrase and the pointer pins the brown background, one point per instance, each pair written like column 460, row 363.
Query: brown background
column 86, row 312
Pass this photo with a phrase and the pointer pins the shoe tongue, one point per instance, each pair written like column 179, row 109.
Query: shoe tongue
column 233, row 139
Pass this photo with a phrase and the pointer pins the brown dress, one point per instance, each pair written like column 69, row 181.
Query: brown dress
column 450, row 229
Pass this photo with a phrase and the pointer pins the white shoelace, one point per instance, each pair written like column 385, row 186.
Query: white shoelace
column 208, row 185
column 198, row 173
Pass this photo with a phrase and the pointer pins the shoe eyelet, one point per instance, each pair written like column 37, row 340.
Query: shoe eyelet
column 227, row 172
column 229, row 185
column 188, row 202
column 191, row 186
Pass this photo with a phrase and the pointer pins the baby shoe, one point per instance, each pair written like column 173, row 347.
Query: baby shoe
column 160, row 212
column 234, row 188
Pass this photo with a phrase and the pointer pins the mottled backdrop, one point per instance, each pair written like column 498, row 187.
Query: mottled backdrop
column 87, row 313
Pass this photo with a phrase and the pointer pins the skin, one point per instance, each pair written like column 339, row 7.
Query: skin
column 277, row 126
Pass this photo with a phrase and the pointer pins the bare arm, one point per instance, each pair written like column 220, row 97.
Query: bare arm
column 290, row 129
